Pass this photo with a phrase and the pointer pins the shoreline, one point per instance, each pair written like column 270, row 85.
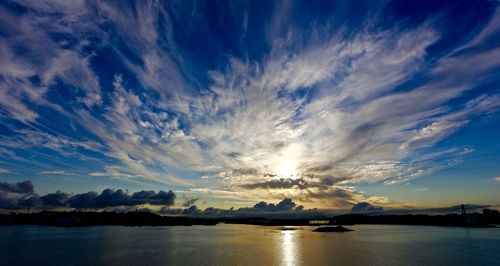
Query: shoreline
column 81, row 219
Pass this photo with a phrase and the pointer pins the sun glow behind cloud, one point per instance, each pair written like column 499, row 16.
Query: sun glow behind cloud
column 287, row 168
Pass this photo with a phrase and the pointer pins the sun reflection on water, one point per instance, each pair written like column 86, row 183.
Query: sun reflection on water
column 288, row 248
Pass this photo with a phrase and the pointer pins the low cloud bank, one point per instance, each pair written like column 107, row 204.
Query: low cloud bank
column 188, row 202
column 365, row 207
column 286, row 207
column 470, row 208
column 20, row 187
column 22, row 194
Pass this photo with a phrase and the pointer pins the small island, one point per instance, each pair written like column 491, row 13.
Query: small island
column 288, row 228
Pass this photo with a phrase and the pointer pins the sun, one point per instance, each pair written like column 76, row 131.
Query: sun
column 287, row 169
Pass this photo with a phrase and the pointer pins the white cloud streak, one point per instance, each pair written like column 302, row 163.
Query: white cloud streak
column 56, row 172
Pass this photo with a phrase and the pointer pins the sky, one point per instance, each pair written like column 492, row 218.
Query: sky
column 288, row 104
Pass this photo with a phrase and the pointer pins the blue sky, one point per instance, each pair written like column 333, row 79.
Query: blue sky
column 329, row 103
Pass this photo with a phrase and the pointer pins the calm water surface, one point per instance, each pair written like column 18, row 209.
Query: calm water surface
column 248, row 245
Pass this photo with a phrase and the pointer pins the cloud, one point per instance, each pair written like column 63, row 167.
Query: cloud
column 4, row 171
column 15, row 195
column 371, row 139
column 25, row 187
column 282, row 183
column 188, row 202
column 326, row 103
column 57, row 199
column 56, row 172
column 7, row 201
column 56, row 62
column 285, row 207
column 301, row 212
column 364, row 207
column 111, row 198
column 286, row 204
column 192, row 210
column 12, row 193
column 116, row 172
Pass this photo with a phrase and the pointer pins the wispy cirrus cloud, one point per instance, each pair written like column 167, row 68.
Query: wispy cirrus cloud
column 56, row 172
column 323, row 107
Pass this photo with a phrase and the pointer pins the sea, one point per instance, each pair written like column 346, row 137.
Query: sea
column 229, row 244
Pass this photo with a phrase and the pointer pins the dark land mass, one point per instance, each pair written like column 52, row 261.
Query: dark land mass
column 336, row 229
column 75, row 218
column 488, row 218
column 452, row 220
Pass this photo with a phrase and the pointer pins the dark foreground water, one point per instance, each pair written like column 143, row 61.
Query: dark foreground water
column 248, row 245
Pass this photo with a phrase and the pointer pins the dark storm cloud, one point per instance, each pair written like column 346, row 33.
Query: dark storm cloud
column 12, row 194
column 247, row 171
column 20, row 187
column 189, row 202
column 305, row 181
column 285, row 206
column 57, row 199
column 193, row 210
column 111, row 198
column 7, row 201
column 22, row 195
column 365, row 207
column 83, row 200
column 33, row 201
column 282, row 183
column 160, row 198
